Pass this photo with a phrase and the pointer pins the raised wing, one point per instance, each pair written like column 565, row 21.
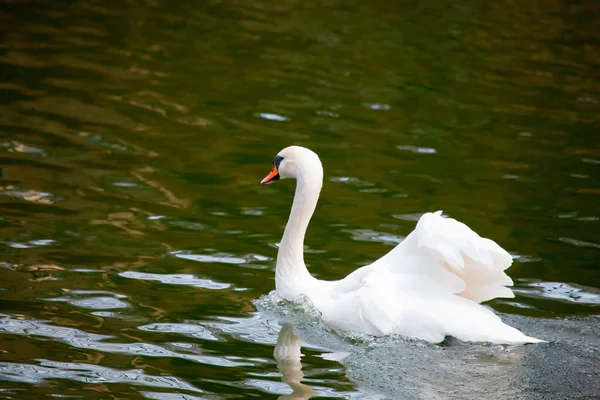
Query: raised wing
column 428, row 287
column 454, row 257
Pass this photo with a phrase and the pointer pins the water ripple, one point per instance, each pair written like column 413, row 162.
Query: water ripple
column 352, row 181
column 257, row 329
column 176, row 279
column 579, row 243
column 31, row 244
column 272, row 117
column 85, row 340
column 94, row 302
column 368, row 235
column 408, row 216
column 417, row 150
column 191, row 330
column 87, row 373
column 18, row 147
column 31, row 195
column 205, row 258
column 566, row 292
column 40, row 328
column 171, row 396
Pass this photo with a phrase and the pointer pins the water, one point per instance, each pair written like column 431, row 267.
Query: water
column 137, row 248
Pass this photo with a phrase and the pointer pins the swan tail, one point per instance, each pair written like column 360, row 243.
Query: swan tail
column 530, row 339
column 505, row 334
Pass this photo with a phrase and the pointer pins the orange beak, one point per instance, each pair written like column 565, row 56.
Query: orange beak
column 272, row 177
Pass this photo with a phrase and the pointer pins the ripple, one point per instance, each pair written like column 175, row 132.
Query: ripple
column 152, row 101
column 351, row 180
column 566, row 292
column 93, row 303
column 106, row 314
column 417, row 150
column 328, row 113
column 519, row 178
column 368, row 235
column 31, row 244
column 96, row 303
column 575, row 215
column 85, row 340
column 580, row 176
column 195, row 120
column 256, row 329
column 128, row 184
column 171, row 396
column 87, row 373
column 590, row 160
column 78, row 110
column 579, row 243
column 377, row 106
column 525, row 258
column 176, row 279
column 182, row 224
column 18, row 147
column 274, row 387
column 425, row 177
column 100, row 140
column 191, row 330
column 87, row 270
column 252, row 211
column 408, row 216
column 40, row 328
column 272, row 117
column 586, row 99
column 373, row 190
column 205, row 258
column 33, row 196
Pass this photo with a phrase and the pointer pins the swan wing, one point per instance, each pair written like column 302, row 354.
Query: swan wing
column 453, row 257
column 427, row 287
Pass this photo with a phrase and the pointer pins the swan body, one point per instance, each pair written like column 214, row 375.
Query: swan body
column 428, row 287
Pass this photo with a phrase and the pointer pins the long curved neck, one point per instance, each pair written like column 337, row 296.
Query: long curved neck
column 291, row 275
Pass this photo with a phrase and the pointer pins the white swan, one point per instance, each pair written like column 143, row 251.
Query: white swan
column 427, row 287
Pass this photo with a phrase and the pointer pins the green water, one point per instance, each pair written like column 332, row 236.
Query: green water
column 135, row 237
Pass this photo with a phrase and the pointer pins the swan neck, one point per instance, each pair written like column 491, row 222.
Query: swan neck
column 291, row 272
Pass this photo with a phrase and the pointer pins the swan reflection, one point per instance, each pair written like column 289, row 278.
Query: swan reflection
column 287, row 353
column 415, row 370
column 420, row 371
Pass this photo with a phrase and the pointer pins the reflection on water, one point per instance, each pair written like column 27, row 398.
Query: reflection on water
column 134, row 237
column 409, row 369
column 288, row 356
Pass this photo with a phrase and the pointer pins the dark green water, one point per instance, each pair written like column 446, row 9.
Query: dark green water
column 135, row 238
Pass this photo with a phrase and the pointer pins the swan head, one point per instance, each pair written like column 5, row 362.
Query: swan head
column 294, row 162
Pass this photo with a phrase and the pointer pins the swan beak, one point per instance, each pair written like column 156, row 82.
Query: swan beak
column 272, row 177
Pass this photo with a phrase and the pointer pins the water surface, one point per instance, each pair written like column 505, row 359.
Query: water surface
column 137, row 247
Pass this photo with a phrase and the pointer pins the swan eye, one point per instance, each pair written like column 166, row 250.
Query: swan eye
column 277, row 160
